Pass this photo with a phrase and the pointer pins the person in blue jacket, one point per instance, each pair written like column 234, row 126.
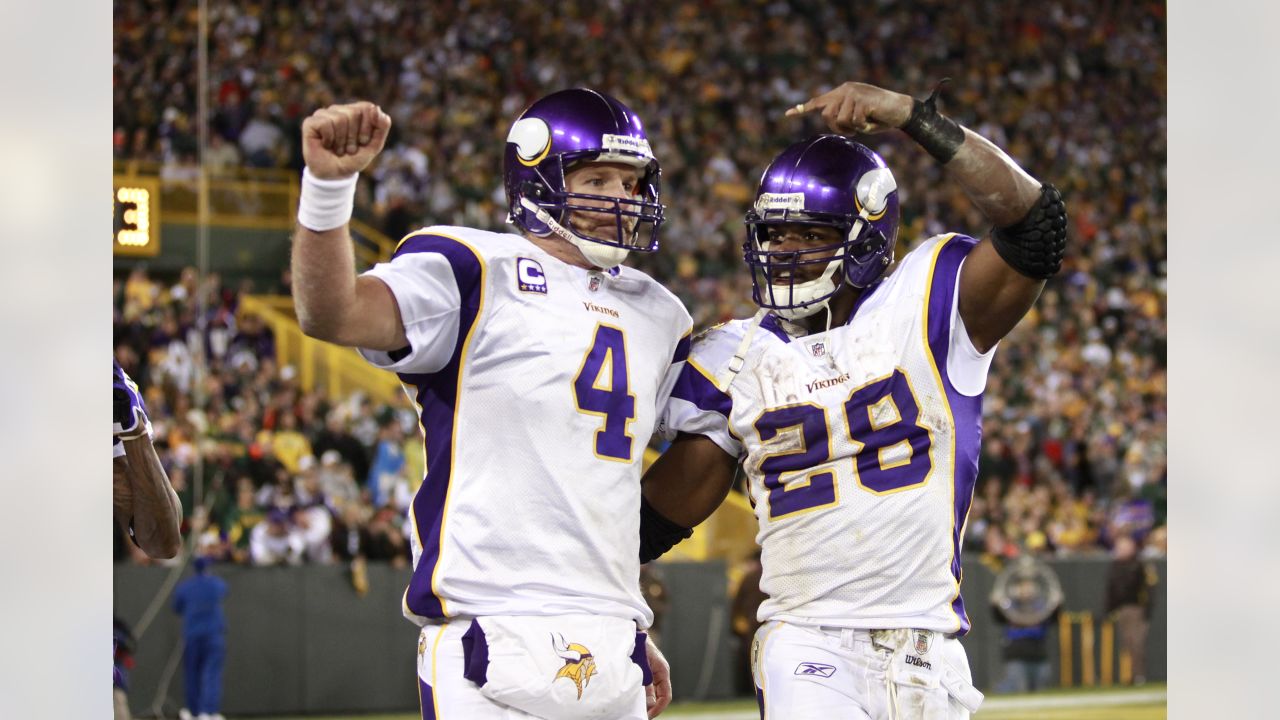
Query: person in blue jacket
column 198, row 599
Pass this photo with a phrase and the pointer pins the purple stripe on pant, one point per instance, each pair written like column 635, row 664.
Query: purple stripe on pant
column 475, row 655
column 437, row 394
column 426, row 700
column 966, row 411
column 641, row 658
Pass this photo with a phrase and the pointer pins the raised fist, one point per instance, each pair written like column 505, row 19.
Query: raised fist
column 340, row 140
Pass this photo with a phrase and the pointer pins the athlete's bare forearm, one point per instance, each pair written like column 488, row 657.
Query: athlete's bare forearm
column 690, row 480
column 156, row 513
column 996, row 185
column 324, row 281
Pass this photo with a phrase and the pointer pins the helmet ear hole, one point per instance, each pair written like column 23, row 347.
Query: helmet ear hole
column 533, row 190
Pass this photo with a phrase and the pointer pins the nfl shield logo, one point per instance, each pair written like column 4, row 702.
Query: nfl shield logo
column 818, row 349
column 594, row 283
column 922, row 642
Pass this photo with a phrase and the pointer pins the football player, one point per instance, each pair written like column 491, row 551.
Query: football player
column 144, row 501
column 853, row 402
column 538, row 363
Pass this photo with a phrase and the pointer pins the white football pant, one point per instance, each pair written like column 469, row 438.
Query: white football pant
column 445, row 694
column 804, row 673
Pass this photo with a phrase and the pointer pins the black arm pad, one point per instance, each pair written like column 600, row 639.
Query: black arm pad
column 657, row 534
column 938, row 134
column 1034, row 245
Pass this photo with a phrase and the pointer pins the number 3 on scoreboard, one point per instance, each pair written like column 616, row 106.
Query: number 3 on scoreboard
column 602, row 387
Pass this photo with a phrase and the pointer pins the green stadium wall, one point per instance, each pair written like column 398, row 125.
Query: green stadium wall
column 234, row 253
column 302, row 641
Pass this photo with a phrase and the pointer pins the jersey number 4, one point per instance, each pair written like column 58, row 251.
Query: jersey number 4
column 601, row 387
column 891, row 447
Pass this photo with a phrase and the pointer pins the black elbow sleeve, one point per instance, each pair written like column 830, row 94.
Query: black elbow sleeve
column 1035, row 245
column 657, row 534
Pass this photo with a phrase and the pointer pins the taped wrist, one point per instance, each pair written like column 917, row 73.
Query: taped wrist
column 657, row 534
column 326, row 204
column 1035, row 245
column 938, row 134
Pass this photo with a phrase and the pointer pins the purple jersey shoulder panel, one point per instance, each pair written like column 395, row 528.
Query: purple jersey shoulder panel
column 437, row 396
column 966, row 411
column 694, row 387
column 770, row 323
column 682, row 350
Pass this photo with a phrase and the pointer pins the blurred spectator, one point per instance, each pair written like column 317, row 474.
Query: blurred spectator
column 655, row 595
column 386, row 541
column 388, row 462
column 746, row 601
column 996, row 549
column 198, row 599
column 237, row 524
column 276, row 541
column 335, row 437
column 221, row 155
column 1129, row 602
column 262, row 141
column 1024, row 642
column 337, row 480
column 312, row 515
column 123, row 647
column 1157, row 546
column 1131, row 516
column 253, row 341
column 290, row 446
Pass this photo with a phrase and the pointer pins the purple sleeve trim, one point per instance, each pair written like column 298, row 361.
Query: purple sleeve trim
column 966, row 411
column 437, row 395
column 692, row 386
column 460, row 256
column 682, row 350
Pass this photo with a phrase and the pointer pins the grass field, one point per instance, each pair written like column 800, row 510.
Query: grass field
column 1146, row 703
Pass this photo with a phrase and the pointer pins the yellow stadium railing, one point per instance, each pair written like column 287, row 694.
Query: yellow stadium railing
column 338, row 370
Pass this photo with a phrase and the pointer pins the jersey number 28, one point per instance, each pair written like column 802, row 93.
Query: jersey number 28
column 891, row 446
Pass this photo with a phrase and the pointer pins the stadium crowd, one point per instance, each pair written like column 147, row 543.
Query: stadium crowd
column 1074, row 438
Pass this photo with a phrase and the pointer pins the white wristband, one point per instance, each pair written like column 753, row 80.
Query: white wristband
column 326, row 204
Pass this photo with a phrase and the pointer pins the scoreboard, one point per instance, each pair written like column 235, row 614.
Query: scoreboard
column 135, row 216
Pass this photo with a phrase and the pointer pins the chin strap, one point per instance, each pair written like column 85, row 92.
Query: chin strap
column 599, row 254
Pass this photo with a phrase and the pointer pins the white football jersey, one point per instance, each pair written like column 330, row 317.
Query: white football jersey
column 860, row 446
column 539, row 385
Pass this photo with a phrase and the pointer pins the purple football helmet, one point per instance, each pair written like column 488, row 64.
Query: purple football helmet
column 568, row 127
column 826, row 180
